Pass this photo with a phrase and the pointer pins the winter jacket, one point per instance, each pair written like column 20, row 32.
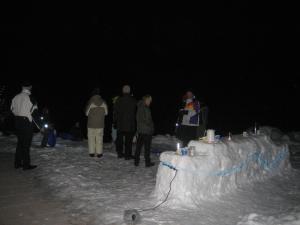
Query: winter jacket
column 144, row 119
column 204, row 114
column 22, row 106
column 190, row 113
column 96, row 110
column 45, row 116
column 124, row 114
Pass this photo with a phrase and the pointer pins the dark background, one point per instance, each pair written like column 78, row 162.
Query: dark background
column 239, row 59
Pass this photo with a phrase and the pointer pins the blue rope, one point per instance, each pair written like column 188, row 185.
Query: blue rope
column 255, row 157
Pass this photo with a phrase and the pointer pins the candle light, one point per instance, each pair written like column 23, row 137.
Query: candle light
column 178, row 148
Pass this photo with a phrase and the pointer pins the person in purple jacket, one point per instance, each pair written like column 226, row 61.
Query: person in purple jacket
column 189, row 118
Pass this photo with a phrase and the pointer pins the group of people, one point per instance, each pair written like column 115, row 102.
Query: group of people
column 130, row 118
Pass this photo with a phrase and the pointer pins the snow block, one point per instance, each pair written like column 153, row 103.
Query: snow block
column 219, row 168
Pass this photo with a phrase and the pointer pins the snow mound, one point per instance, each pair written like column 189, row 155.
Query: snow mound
column 219, row 168
column 274, row 133
column 257, row 219
column 291, row 138
column 294, row 136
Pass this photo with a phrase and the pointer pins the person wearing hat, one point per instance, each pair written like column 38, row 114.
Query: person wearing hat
column 96, row 111
column 124, row 117
column 22, row 107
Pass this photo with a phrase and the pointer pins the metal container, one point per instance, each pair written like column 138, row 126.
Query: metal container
column 210, row 135
column 184, row 151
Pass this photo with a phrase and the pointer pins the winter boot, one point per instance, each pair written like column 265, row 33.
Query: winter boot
column 30, row 167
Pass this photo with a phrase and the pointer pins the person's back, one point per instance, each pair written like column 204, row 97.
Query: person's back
column 96, row 111
column 144, row 119
column 21, row 105
column 125, row 110
column 124, row 117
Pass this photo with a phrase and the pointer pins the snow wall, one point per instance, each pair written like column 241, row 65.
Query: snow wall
column 219, row 168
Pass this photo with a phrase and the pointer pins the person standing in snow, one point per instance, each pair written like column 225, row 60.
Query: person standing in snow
column 96, row 110
column 145, row 129
column 124, row 113
column 45, row 117
column 189, row 118
column 22, row 108
column 114, row 125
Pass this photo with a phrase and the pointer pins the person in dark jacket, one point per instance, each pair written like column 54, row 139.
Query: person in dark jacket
column 124, row 119
column 189, row 118
column 45, row 117
column 145, row 129
column 114, row 128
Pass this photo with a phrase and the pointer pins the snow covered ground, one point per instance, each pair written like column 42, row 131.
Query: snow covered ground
column 97, row 191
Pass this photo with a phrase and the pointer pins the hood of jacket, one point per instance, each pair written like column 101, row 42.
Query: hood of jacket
column 97, row 100
column 141, row 103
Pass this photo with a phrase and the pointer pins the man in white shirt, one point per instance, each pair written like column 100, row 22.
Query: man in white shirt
column 22, row 107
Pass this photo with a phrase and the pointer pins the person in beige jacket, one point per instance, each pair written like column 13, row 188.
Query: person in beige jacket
column 96, row 110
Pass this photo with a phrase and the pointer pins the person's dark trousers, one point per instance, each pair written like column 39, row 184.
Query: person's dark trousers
column 45, row 137
column 187, row 133
column 201, row 130
column 143, row 140
column 128, row 144
column 24, row 131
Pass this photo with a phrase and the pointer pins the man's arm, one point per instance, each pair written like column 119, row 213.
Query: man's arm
column 105, row 108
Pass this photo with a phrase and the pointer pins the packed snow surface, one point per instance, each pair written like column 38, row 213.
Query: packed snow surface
column 97, row 191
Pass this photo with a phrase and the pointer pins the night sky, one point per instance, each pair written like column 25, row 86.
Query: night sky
column 235, row 57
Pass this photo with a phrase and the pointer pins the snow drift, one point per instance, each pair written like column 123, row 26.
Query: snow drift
column 219, row 168
column 292, row 218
